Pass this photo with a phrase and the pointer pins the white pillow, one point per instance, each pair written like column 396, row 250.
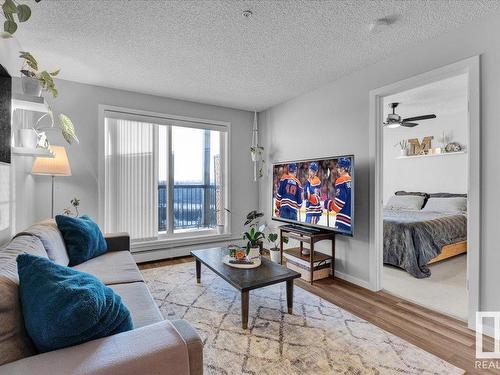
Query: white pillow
column 455, row 204
column 405, row 202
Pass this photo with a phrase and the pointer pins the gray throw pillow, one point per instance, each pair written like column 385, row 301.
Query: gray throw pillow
column 452, row 204
column 405, row 202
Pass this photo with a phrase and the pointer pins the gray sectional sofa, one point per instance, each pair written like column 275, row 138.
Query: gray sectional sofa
column 155, row 346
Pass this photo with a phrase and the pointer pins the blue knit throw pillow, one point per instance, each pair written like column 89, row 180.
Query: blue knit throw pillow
column 82, row 237
column 64, row 307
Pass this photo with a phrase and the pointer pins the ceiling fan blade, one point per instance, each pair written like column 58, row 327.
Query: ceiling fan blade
column 409, row 124
column 419, row 118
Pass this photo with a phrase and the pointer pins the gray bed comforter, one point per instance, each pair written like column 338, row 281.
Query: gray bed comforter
column 413, row 238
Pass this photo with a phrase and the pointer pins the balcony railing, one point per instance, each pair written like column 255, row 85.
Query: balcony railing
column 194, row 206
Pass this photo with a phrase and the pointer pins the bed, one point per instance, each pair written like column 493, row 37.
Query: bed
column 415, row 238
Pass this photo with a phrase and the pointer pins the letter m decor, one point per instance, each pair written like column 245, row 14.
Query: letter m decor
column 420, row 148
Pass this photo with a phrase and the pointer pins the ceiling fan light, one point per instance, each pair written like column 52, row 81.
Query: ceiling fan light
column 393, row 125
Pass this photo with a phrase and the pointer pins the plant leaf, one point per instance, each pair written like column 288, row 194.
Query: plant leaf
column 67, row 129
column 9, row 6
column 5, row 35
column 9, row 27
column 55, row 72
column 30, row 60
column 23, row 12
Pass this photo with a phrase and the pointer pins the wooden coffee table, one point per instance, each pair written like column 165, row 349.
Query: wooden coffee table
column 268, row 273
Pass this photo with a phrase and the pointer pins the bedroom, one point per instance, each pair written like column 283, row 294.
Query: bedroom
column 424, row 195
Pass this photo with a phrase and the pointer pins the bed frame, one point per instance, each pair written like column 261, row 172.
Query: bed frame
column 450, row 250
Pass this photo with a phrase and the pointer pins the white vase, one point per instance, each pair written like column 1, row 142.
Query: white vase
column 253, row 253
column 404, row 152
column 31, row 86
column 220, row 228
column 27, row 138
column 275, row 255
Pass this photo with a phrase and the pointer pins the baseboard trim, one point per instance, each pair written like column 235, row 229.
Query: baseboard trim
column 175, row 251
column 353, row 280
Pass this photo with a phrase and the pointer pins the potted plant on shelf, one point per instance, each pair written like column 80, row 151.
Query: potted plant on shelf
column 43, row 80
column 33, row 80
column 274, row 250
column 403, row 146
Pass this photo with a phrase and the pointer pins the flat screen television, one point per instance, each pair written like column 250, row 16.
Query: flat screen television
column 316, row 193
column 5, row 113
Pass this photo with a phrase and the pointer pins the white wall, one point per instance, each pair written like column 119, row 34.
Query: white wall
column 81, row 102
column 433, row 174
column 9, row 59
column 333, row 119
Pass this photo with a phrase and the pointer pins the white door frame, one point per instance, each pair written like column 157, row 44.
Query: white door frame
column 470, row 67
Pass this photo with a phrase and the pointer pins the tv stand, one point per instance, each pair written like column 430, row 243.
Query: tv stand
column 298, row 233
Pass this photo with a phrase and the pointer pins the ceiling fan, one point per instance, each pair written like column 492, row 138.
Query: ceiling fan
column 394, row 120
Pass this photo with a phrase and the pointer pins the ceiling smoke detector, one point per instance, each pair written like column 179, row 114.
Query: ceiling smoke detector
column 247, row 13
column 380, row 25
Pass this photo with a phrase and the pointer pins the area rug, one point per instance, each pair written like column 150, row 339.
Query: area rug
column 319, row 338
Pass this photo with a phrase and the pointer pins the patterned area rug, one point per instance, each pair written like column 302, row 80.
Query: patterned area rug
column 319, row 338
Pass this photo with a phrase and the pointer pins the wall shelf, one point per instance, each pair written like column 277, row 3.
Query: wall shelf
column 431, row 155
column 35, row 152
column 29, row 103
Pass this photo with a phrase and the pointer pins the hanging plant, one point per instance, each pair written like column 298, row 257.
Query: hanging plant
column 12, row 10
column 256, row 152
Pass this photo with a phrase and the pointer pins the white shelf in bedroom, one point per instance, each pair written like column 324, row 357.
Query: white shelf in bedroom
column 29, row 103
column 431, row 155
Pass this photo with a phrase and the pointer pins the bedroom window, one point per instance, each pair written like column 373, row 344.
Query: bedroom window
column 164, row 178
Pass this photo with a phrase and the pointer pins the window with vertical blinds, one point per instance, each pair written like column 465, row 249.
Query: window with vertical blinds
column 164, row 178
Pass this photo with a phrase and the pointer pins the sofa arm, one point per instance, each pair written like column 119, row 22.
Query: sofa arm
column 150, row 350
column 118, row 241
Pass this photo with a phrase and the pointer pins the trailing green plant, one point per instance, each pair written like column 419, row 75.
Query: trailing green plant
column 11, row 10
column 31, row 69
column 45, row 79
column 273, row 238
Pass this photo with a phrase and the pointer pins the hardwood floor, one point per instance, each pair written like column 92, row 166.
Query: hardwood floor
column 445, row 337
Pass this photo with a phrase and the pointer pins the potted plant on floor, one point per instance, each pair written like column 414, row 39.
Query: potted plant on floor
column 274, row 250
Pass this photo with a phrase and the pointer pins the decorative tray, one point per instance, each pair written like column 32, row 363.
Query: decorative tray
column 226, row 260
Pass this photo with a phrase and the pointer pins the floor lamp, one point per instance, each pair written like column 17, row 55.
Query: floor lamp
column 53, row 167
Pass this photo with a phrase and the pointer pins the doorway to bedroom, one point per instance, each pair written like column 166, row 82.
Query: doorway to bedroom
column 425, row 195
column 426, row 232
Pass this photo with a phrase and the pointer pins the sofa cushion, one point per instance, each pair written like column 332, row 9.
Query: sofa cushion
column 115, row 267
column 64, row 307
column 139, row 302
column 83, row 238
column 14, row 342
column 52, row 240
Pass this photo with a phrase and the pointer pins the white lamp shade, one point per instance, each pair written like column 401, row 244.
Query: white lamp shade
column 56, row 166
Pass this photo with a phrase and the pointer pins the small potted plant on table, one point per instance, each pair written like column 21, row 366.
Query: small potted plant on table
column 274, row 250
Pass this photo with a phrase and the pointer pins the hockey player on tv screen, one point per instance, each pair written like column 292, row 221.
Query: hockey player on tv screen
column 289, row 195
column 341, row 205
column 312, row 191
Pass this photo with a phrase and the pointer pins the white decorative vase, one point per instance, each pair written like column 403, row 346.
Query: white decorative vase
column 220, row 228
column 404, row 152
column 253, row 253
column 275, row 255
column 28, row 138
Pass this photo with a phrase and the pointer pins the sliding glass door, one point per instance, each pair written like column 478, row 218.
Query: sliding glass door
column 164, row 178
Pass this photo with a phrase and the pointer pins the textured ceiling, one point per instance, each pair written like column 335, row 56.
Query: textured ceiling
column 206, row 51
column 447, row 95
